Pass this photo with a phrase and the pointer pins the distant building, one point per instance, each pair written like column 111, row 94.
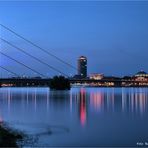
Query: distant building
column 141, row 76
column 96, row 76
column 82, row 67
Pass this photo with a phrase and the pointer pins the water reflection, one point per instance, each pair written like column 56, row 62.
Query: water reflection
column 83, row 111
column 135, row 100
column 82, row 106
column 96, row 100
column 125, row 100
column 81, row 101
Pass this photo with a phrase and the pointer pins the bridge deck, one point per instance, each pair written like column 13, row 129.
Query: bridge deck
column 46, row 82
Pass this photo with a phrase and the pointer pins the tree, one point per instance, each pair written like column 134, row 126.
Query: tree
column 60, row 83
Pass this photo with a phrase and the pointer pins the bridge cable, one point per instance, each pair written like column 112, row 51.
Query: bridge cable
column 9, row 71
column 22, row 64
column 37, row 46
column 33, row 57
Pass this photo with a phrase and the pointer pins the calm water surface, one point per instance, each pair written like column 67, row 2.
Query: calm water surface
column 79, row 117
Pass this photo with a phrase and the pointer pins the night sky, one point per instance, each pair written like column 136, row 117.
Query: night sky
column 112, row 35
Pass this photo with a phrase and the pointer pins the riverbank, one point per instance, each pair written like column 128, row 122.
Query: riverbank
column 9, row 138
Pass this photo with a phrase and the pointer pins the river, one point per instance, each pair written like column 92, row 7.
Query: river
column 79, row 117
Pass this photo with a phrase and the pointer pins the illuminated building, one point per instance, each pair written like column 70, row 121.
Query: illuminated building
column 96, row 76
column 82, row 67
column 141, row 76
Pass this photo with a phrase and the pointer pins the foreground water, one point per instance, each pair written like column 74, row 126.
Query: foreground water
column 79, row 117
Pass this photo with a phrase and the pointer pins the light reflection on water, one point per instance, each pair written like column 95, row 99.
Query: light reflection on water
column 79, row 117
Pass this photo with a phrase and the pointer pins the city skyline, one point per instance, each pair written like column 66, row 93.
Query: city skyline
column 112, row 35
column 74, row 73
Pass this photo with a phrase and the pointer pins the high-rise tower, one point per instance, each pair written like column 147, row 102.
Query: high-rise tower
column 82, row 66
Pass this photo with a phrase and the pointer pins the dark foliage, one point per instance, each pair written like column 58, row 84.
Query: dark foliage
column 9, row 138
column 60, row 83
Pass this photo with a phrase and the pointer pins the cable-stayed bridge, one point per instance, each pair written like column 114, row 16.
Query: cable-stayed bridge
column 30, row 55
column 41, row 79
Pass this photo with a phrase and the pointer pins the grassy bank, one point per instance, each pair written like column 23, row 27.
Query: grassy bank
column 9, row 138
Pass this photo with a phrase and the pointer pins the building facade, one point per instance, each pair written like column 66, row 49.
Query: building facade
column 82, row 67
column 141, row 76
column 96, row 76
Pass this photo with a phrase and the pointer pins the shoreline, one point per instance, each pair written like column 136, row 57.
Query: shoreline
column 9, row 137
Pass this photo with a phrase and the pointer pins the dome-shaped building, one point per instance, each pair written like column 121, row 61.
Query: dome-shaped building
column 141, row 74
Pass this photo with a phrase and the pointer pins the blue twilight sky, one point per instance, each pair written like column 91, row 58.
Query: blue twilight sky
column 113, row 35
